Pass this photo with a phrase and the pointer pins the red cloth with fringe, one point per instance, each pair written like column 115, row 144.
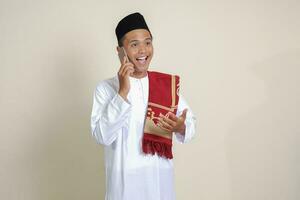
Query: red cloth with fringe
column 163, row 98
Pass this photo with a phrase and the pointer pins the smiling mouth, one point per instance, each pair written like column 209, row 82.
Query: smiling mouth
column 142, row 60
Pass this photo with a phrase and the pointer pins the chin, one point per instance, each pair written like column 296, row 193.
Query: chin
column 141, row 68
column 140, row 71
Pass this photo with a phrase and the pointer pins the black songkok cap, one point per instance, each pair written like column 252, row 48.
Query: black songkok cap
column 129, row 23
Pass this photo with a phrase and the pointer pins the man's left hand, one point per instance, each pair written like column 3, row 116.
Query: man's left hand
column 173, row 123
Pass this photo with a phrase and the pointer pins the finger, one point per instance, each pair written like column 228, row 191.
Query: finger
column 169, row 121
column 183, row 115
column 124, row 60
column 173, row 117
column 124, row 66
column 127, row 70
column 121, row 69
column 165, row 126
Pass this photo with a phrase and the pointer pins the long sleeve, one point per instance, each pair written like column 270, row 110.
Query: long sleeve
column 190, row 122
column 109, row 114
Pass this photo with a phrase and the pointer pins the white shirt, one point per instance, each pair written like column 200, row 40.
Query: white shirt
column 118, row 125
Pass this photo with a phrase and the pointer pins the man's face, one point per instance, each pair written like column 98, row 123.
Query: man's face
column 139, row 49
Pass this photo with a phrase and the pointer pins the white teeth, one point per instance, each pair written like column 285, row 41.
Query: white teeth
column 142, row 58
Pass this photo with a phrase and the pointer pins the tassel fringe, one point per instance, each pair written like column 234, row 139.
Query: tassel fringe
column 155, row 144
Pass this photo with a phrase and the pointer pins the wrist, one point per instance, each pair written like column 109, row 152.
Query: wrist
column 123, row 95
column 182, row 130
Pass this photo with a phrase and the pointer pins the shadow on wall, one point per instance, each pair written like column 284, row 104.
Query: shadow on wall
column 68, row 163
column 263, row 144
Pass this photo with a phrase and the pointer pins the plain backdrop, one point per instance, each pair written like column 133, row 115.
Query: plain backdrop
column 239, row 63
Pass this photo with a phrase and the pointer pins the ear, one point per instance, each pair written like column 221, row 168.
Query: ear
column 118, row 49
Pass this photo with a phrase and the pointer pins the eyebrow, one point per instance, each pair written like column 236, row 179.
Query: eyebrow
column 140, row 40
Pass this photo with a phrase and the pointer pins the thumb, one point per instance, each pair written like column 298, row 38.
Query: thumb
column 183, row 115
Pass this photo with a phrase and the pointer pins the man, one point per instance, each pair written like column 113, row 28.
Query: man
column 135, row 115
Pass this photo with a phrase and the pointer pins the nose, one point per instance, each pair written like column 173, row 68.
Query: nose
column 142, row 49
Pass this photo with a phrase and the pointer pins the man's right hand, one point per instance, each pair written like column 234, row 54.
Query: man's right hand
column 126, row 69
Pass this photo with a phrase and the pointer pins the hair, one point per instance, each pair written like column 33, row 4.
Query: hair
column 120, row 42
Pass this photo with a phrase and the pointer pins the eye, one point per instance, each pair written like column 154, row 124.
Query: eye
column 133, row 44
column 148, row 42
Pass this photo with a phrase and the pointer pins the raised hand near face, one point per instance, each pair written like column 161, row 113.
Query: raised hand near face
column 126, row 69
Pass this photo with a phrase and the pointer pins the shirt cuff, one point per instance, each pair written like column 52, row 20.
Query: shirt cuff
column 121, row 105
column 189, row 132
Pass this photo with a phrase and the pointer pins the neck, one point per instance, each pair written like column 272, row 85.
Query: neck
column 139, row 74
